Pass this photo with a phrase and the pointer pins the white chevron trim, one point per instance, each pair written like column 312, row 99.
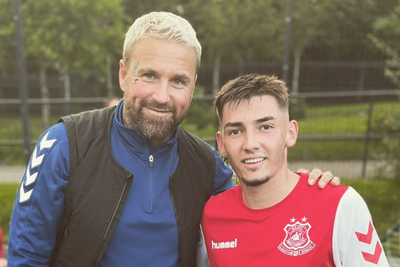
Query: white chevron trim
column 35, row 161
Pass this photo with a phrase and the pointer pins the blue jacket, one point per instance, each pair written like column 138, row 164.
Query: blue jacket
column 39, row 204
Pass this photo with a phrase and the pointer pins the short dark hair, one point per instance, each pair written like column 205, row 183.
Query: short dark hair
column 247, row 86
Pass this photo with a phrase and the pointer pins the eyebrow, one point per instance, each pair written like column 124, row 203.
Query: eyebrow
column 240, row 124
column 268, row 118
column 182, row 76
column 233, row 124
column 143, row 70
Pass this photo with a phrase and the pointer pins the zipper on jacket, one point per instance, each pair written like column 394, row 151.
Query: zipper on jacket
column 109, row 225
column 150, row 187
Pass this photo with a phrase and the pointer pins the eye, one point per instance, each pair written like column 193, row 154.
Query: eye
column 234, row 132
column 266, row 127
column 149, row 76
column 177, row 82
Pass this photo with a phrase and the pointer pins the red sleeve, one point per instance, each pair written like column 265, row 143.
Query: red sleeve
column 1, row 243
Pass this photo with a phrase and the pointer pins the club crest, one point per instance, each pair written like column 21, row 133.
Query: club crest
column 297, row 241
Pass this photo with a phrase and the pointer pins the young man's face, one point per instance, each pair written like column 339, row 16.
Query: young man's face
column 158, row 86
column 255, row 136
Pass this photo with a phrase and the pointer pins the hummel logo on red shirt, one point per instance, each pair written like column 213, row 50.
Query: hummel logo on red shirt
column 221, row 245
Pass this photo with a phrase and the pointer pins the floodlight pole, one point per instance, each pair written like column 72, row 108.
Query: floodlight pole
column 23, row 88
column 286, row 54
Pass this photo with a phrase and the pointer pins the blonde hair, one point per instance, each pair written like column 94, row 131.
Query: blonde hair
column 161, row 25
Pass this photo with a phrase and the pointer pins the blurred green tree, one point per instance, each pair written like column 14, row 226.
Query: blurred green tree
column 384, row 28
column 320, row 20
column 236, row 30
column 75, row 34
column 7, row 36
column 71, row 35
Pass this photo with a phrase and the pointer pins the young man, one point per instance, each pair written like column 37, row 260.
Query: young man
column 124, row 185
column 273, row 218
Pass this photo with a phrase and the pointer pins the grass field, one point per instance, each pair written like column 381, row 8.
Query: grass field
column 7, row 195
column 343, row 119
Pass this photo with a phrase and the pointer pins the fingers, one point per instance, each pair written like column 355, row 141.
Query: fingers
column 314, row 175
column 335, row 181
column 325, row 179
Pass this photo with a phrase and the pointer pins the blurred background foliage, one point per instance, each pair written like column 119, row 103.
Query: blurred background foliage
column 73, row 48
column 79, row 35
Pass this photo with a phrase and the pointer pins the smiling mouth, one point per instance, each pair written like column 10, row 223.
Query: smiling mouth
column 253, row 160
column 165, row 111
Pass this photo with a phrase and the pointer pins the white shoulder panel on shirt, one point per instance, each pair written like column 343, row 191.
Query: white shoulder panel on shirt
column 355, row 241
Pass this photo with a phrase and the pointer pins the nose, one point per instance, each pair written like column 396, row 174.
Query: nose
column 250, row 141
column 161, row 94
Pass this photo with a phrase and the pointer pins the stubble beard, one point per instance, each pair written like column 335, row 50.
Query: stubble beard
column 254, row 182
column 156, row 129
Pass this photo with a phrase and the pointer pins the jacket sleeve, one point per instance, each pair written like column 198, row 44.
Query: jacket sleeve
column 39, row 203
column 223, row 175
column 355, row 241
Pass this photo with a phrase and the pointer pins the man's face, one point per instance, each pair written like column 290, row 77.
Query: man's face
column 158, row 87
column 255, row 136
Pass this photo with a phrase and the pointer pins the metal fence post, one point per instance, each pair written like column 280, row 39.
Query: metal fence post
column 286, row 54
column 23, row 88
column 367, row 136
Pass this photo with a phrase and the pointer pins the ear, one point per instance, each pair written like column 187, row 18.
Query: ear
column 123, row 71
column 292, row 133
column 221, row 146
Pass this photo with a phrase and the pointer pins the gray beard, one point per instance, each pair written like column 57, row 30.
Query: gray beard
column 156, row 129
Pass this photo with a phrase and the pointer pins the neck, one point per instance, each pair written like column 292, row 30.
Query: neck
column 270, row 193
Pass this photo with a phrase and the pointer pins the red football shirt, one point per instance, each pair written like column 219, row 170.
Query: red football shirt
column 310, row 227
